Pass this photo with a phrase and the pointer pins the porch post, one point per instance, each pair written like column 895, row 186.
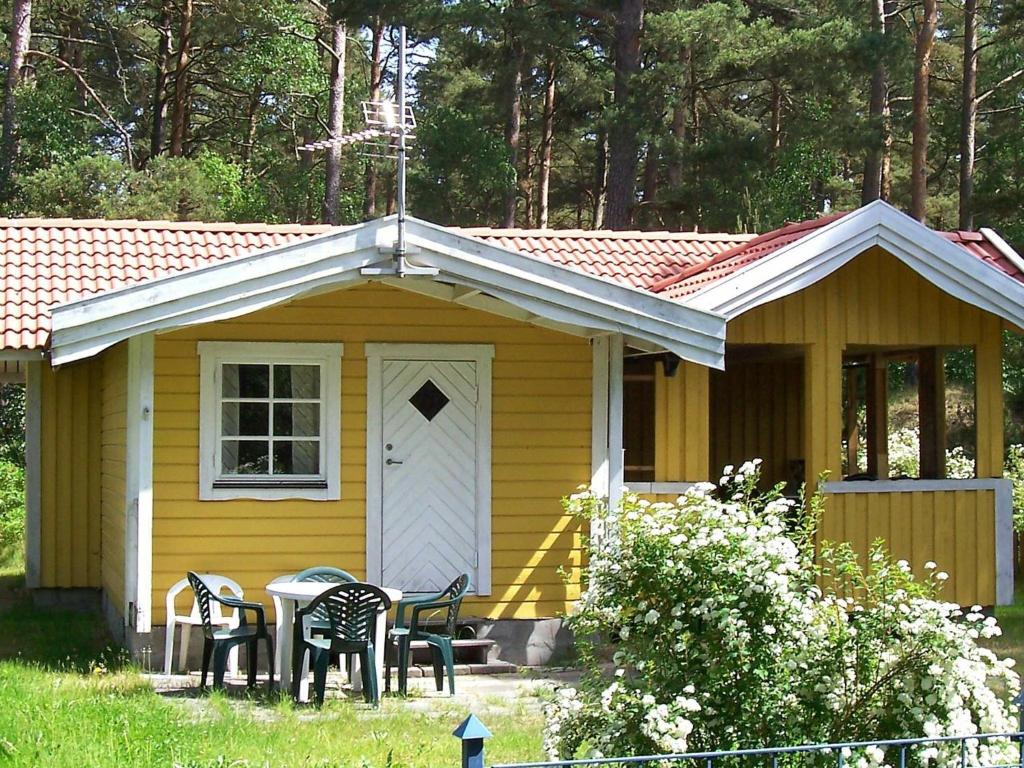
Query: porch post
column 989, row 398
column 33, row 471
column 931, row 380
column 138, row 570
column 823, row 411
column 606, row 460
column 878, row 417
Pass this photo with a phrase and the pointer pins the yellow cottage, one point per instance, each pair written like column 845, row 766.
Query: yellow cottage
column 252, row 400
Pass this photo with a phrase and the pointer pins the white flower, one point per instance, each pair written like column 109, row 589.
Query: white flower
column 652, row 617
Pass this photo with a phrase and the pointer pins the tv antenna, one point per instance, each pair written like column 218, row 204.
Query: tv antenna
column 390, row 127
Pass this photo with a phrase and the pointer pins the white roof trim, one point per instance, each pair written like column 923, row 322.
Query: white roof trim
column 546, row 292
column 820, row 253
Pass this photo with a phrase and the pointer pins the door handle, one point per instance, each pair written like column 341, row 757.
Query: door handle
column 389, row 462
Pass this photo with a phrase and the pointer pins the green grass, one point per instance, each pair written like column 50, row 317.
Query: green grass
column 1011, row 642
column 67, row 699
column 12, row 566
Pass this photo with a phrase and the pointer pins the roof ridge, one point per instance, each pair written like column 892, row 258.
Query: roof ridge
column 788, row 228
column 603, row 234
column 164, row 224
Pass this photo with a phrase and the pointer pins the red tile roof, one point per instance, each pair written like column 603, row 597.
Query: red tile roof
column 693, row 279
column 45, row 262
column 639, row 259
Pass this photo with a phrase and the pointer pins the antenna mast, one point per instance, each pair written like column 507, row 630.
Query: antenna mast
column 389, row 129
column 400, row 87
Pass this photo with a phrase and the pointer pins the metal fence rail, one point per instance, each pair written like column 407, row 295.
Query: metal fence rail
column 473, row 733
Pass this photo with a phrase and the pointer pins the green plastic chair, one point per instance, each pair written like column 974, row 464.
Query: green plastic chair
column 352, row 610
column 318, row 623
column 218, row 642
column 439, row 640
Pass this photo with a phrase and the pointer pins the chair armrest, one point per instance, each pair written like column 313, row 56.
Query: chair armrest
column 408, row 602
column 242, row 606
column 429, row 605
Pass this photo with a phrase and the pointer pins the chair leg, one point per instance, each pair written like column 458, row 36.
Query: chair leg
column 322, row 661
column 448, row 652
column 186, row 636
column 371, row 692
column 438, row 663
column 169, row 645
column 220, row 664
column 403, row 665
column 271, row 682
column 207, row 653
column 250, row 657
column 298, row 657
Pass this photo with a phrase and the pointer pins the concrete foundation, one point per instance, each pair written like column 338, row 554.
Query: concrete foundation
column 528, row 642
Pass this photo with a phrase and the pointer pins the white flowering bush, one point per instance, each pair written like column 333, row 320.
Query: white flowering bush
column 704, row 627
column 905, row 456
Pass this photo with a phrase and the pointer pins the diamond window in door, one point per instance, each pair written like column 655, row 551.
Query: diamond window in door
column 429, row 400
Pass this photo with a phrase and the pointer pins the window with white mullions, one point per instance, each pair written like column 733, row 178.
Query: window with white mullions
column 268, row 426
column 270, row 420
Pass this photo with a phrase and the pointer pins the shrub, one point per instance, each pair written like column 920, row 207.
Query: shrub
column 12, row 505
column 721, row 637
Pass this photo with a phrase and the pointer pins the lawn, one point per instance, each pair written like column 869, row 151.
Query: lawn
column 66, row 699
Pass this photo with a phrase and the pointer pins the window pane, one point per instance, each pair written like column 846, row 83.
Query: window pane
column 298, row 381
column 296, row 457
column 245, row 457
column 246, row 380
column 299, row 419
column 245, row 419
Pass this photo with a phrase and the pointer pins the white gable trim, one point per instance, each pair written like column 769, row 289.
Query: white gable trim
column 548, row 293
column 814, row 257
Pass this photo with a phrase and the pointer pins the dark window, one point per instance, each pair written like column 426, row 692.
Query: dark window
column 639, row 376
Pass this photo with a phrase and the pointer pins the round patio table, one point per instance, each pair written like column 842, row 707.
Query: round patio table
column 292, row 593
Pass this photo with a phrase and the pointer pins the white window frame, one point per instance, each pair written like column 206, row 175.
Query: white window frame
column 212, row 356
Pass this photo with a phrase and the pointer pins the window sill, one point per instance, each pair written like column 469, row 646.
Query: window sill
column 229, row 490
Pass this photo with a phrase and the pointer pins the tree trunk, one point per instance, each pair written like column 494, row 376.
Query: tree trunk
column 252, row 113
column 547, row 141
column 650, row 186
column 871, row 188
column 922, row 72
column 182, row 87
column 21, row 36
column 968, row 114
column 680, row 114
column 776, row 117
column 623, row 141
column 513, row 119
column 331, row 213
column 600, row 179
column 163, row 56
column 376, row 75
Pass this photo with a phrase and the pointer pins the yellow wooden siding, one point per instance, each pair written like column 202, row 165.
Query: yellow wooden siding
column 757, row 412
column 70, row 546
column 540, row 438
column 681, row 424
column 112, row 470
column 954, row 529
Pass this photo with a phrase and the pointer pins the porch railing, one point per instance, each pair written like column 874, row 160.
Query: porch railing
column 472, row 733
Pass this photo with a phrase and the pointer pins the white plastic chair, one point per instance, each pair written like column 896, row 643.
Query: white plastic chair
column 218, row 584
column 277, row 617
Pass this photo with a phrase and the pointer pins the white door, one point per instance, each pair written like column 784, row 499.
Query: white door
column 429, row 474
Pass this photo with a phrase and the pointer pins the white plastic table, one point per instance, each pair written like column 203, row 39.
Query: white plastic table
column 292, row 593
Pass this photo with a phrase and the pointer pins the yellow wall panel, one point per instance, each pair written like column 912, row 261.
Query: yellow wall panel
column 954, row 529
column 70, row 528
column 540, row 435
column 113, row 437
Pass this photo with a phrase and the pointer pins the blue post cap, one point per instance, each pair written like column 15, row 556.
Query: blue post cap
column 471, row 728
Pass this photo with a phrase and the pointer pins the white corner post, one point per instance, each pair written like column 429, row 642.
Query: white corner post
column 606, row 459
column 138, row 566
column 33, row 472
